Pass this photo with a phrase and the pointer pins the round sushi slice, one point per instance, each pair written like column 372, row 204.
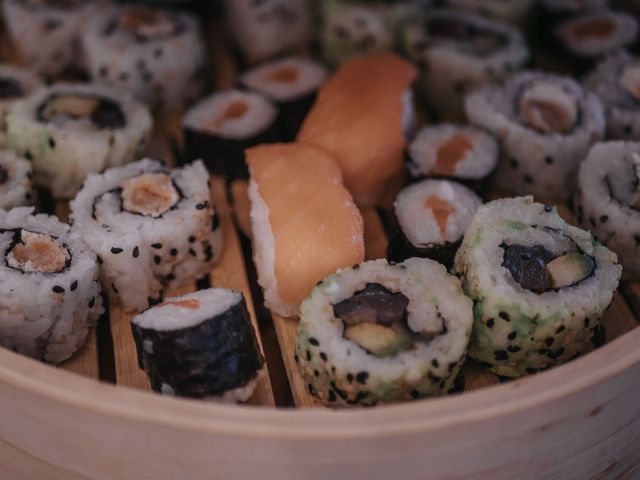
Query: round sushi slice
column 157, row 55
column 152, row 228
column 266, row 28
column 47, row 32
column 15, row 83
column 71, row 130
column 616, row 81
column 200, row 345
column 381, row 333
column 546, row 124
column 457, row 52
column 607, row 200
column 220, row 127
column 462, row 152
column 539, row 286
column 292, row 83
column 16, row 188
column 432, row 217
column 49, row 293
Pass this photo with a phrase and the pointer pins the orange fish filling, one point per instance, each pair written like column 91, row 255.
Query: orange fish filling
column 191, row 303
column 38, row 252
column 546, row 116
column 450, row 153
column 235, row 110
column 441, row 210
column 149, row 194
column 598, row 28
column 286, row 74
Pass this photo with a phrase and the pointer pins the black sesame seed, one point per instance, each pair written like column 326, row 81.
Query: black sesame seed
column 350, row 377
column 451, row 366
column 361, row 377
column 173, row 252
column 528, row 179
column 124, row 76
column 586, row 322
column 323, row 356
column 514, row 163
column 561, row 329
column 296, row 358
column 113, row 286
column 28, row 155
column 100, row 261
column 501, row 355
column 116, row 250
column 549, row 341
column 314, row 341
column 433, row 378
column 531, row 371
column 356, row 267
column 560, row 352
column 637, row 239
column 548, row 160
column 604, row 219
column 192, row 239
column 548, row 208
column 491, row 322
column 435, row 363
column 192, row 252
column 415, row 394
column 202, row 206
column 92, row 302
column 504, row 316
column 157, row 53
column 136, row 252
column 316, row 373
column 74, row 285
column 57, row 289
column 215, row 221
column 308, row 356
column 513, row 348
column 628, row 129
column 592, row 221
column 157, row 246
column 512, row 335
column 103, row 71
column 310, row 388
column 157, row 259
column 52, row 143
column 332, row 396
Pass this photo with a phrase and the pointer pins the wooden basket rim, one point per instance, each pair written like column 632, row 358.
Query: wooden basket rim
column 611, row 360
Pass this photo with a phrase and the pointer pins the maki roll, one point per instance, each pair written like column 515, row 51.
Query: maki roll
column 546, row 124
column 15, row 83
column 292, row 83
column 49, row 292
column 16, row 188
column 71, row 130
column 304, row 222
column 200, row 345
column 432, row 216
column 46, row 33
column 607, row 200
column 461, row 152
column 220, row 127
column 539, row 286
column 264, row 29
column 457, row 52
column 363, row 116
column 616, row 81
column 380, row 333
column 152, row 228
column 157, row 55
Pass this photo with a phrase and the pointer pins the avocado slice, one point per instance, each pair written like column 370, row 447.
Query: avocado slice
column 569, row 269
column 377, row 339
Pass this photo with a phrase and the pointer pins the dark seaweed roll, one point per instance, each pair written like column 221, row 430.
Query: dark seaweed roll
column 608, row 200
column 49, row 290
column 432, row 217
column 616, row 81
column 15, row 83
column 16, row 188
column 153, row 228
column 517, row 12
column 200, row 345
column 573, row 7
column 71, row 130
column 380, row 333
column 220, row 127
column 546, row 124
column 539, row 286
column 462, row 152
column 292, row 83
column 157, row 55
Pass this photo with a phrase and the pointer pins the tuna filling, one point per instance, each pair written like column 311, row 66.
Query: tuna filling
column 147, row 23
column 233, row 111
column 590, row 29
column 286, row 74
column 38, row 253
column 149, row 194
column 101, row 112
column 9, row 88
column 471, row 38
column 451, row 153
column 546, row 107
column 537, row 269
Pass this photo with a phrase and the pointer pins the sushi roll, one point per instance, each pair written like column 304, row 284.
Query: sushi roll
column 152, row 228
column 220, row 127
column 380, row 333
column 46, row 33
column 16, row 189
column 71, row 130
column 539, row 286
column 157, row 55
column 292, row 83
column 432, row 216
column 49, row 291
column 461, row 152
column 304, row 222
column 607, row 200
column 546, row 124
column 15, row 83
column 265, row 29
column 363, row 116
column 457, row 52
column 616, row 81
column 200, row 345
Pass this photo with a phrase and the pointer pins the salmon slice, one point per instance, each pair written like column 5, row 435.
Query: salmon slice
column 316, row 226
column 450, row 153
column 441, row 210
column 358, row 117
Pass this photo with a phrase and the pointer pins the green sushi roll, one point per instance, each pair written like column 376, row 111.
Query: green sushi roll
column 539, row 286
column 382, row 333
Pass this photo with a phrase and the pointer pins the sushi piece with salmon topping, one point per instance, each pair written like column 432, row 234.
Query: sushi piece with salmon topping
column 305, row 224
column 362, row 116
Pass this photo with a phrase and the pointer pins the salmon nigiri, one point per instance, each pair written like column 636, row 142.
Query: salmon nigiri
column 304, row 221
column 361, row 116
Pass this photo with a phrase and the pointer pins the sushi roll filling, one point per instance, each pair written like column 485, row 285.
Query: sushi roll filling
column 450, row 153
column 592, row 28
column 149, row 194
column 101, row 112
column 10, row 88
column 146, row 23
column 630, row 81
column 473, row 39
column 548, row 108
column 32, row 252
column 441, row 210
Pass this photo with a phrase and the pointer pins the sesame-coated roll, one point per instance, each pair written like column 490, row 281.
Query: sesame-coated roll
column 607, row 200
column 539, row 286
column 16, row 188
column 49, row 291
column 200, row 345
column 71, row 130
column 47, row 33
column 380, row 333
column 152, row 228
column 157, row 55
column 546, row 124
column 15, row 83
